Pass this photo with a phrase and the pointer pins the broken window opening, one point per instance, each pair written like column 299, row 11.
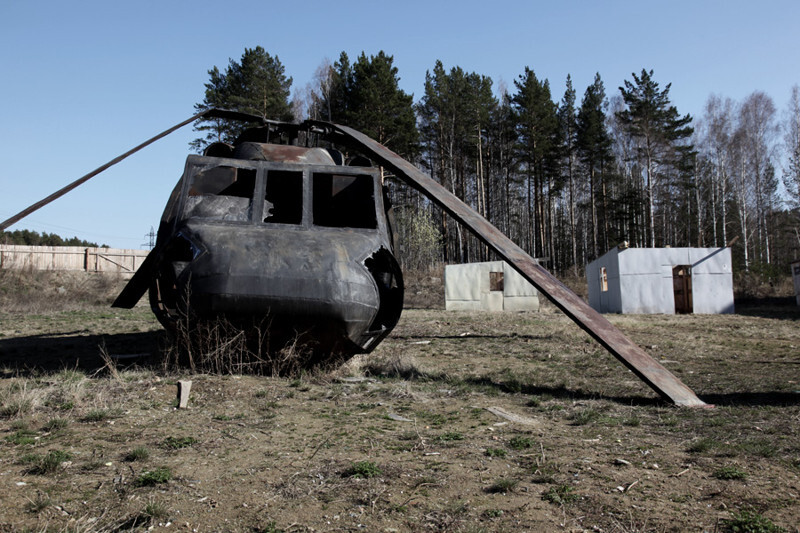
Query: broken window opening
column 496, row 282
column 283, row 199
column 344, row 201
column 221, row 193
column 603, row 280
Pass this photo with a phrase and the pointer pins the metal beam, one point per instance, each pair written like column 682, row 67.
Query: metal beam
column 632, row 356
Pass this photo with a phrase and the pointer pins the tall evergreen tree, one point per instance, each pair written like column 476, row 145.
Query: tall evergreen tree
column 567, row 118
column 256, row 84
column 659, row 130
column 537, row 130
column 594, row 148
column 377, row 106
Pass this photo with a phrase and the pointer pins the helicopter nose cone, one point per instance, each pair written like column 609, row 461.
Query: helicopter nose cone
column 297, row 278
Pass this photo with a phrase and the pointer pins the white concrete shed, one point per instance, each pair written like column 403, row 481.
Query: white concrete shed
column 662, row 280
column 489, row 286
column 796, row 277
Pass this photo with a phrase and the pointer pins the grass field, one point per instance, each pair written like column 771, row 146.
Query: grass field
column 457, row 422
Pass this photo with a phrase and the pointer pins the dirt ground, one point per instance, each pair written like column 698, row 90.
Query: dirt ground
column 457, row 422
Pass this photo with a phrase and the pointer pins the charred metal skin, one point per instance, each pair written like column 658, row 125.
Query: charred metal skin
column 280, row 235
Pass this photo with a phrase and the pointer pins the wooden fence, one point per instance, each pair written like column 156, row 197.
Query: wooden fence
column 74, row 258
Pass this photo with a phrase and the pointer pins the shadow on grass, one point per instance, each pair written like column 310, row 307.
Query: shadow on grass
column 467, row 336
column 780, row 308
column 36, row 354
column 739, row 399
column 559, row 392
column 753, row 399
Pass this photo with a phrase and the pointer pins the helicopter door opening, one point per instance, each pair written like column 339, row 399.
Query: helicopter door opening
column 221, row 193
column 344, row 201
column 284, row 197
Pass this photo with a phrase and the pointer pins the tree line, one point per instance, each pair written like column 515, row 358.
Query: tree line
column 34, row 238
column 565, row 177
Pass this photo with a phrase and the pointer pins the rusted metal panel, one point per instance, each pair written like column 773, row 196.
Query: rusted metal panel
column 632, row 356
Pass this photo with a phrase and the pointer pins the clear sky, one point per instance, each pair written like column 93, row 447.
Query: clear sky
column 85, row 81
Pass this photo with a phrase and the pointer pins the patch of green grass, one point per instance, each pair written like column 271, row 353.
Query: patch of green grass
column 748, row 521
column 363, row 469
column 176, row 443
column 730, row 472
column 55, row 424
column 155, row 511
column 760, row 447
column 502, row 486
column 140, row 453
column 22, row 437
column 150, row 478
column 97, row 415
column 519, row 442
column 631, row 421
column 494, row 452
column 493, row 513
column 584, row 416
column 701, row 445
column 560, row 495
column 450, row 436
column 49, row 463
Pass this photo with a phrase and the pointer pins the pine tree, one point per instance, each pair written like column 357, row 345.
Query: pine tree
column 256, row 84
column 658, row 129
column 537, row 129
column 375, row 105
column 594, row 148
column 567, row 119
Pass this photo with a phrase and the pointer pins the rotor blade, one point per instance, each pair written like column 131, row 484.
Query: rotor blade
column 139, row 283
column 651, row 372
column 61, row 192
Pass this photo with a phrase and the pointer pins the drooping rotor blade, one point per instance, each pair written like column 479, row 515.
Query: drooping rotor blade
column 61, row 192
column 139, row 283
column 632, row 356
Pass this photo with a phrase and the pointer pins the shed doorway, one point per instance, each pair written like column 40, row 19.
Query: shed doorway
column 682, row 288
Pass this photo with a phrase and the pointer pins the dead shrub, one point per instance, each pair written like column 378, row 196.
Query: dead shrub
column 221, row 346
column 394, row 364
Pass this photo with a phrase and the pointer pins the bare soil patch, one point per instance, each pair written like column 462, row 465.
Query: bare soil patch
column 457, row 422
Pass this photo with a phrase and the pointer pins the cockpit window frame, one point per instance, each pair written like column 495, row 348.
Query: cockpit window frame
column 197, row 163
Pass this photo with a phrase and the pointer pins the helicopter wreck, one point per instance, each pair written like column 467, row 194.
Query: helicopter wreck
column 301, row 234
column 296, row 236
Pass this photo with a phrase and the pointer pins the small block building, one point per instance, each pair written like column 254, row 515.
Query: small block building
column 489, row 286
column 661, row 280
column 796, row 278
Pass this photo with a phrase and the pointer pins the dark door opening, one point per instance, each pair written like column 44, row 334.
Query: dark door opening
column 682, row 288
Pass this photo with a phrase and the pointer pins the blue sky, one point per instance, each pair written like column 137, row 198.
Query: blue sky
column 85, row 81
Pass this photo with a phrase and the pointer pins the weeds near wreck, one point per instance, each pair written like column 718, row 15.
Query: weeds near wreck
column 560, row 495
column 749, row 521
column 730, row 472
column 363, row 469
column 176, row 443
column 151, row 478
column 137, row 454
column 46, row 464
column 220, row 346
column 502, row 486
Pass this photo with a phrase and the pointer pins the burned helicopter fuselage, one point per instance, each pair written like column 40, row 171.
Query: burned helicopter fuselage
column 283, row 237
